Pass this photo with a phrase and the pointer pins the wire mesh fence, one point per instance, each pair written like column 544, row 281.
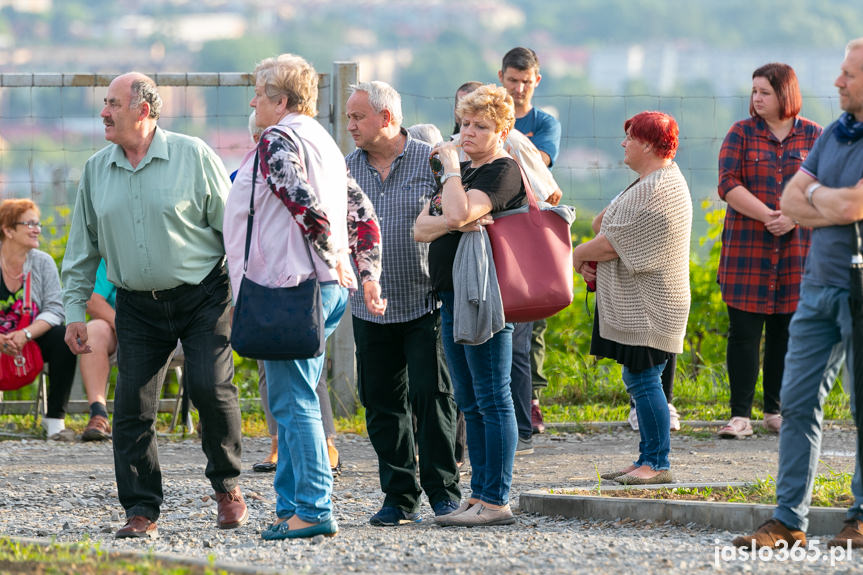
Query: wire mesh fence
column 50, row 125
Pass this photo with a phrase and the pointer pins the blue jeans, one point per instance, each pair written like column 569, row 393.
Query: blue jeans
column 480, row 375
column 645, row 387
column 303, row 480
column 819, row 341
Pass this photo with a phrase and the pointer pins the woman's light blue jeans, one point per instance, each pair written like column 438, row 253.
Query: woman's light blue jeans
column 303, row 480
column 481, row 376
column 645, row 387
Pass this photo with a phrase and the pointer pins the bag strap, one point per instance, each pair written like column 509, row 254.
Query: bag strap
column 533, row 208
column 250, row 219
column 27, row 309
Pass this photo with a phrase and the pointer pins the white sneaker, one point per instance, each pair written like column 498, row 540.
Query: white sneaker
column 673, row 418
column 53, row 426
column 633, row 419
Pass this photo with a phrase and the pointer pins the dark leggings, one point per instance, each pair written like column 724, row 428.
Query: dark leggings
column 743, row 356
column 61, row 369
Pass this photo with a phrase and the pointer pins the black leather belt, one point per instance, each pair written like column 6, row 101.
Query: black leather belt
column 171, row 293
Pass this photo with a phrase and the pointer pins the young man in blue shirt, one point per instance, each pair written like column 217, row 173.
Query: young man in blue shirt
column 519, row 74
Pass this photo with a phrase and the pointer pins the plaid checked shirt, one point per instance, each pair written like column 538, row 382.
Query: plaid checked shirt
column 760, row 272
column 398, row 200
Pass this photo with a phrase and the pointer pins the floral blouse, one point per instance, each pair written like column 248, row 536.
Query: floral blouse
column 281, row 167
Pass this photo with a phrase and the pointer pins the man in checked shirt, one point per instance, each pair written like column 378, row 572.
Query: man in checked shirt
column 400, row 363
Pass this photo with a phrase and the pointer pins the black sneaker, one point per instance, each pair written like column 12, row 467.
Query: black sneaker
column 392, row 516
column 444, row 507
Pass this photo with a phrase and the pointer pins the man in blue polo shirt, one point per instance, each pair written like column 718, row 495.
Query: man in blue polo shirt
column 519, row 74
column 826, row 195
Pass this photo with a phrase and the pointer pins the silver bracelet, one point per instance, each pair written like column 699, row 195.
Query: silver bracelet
column 811, row 190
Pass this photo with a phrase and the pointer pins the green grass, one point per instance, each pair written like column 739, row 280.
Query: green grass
column 832, row 489
column 254, row 424
column 86, row 559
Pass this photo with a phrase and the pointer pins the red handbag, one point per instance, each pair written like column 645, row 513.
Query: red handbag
column 532, row 252
column 18, row 371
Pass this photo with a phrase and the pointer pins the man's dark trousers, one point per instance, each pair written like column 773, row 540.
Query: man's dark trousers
column 148, row 328
column 401, row 370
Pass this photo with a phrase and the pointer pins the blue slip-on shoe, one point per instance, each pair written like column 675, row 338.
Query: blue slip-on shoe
column 327, row 528
column 444, row 507
column 392, row 516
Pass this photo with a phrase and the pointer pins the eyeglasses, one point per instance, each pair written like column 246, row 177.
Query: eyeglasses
column 30, row 225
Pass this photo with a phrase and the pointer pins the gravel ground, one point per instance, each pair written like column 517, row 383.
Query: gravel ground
column 66, row 491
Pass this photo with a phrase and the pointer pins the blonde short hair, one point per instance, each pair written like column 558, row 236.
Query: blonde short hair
column 291, row 76
column 489, row 101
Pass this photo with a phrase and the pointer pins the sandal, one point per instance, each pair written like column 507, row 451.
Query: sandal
column 737, row 428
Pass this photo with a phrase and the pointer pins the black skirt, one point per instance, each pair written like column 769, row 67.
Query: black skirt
column 635, row 358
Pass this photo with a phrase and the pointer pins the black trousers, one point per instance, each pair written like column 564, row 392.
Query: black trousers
column 744, row 355
column 61, row 369
column 147, row 332
column 401, row 371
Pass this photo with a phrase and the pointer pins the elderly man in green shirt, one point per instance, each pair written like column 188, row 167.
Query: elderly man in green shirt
column 151, row 205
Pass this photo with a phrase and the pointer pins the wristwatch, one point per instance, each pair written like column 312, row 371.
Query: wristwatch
column 27, row 334
column 447, row 176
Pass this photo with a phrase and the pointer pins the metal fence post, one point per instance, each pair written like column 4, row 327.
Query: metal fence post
column 342, row 369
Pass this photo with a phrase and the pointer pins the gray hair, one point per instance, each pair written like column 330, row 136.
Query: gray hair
column 144, row 90
column 854, row 44
column 254, row 129
column 427, row 133
column 382, row 97
column 291, row 76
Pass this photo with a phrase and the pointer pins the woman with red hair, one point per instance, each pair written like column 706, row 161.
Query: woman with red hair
column 763, row 251
column 642, row 283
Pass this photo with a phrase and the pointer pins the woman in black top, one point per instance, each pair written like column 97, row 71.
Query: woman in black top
column 470, row 193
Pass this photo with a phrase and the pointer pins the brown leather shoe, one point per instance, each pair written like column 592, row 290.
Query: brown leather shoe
column 771, row 534
column 853, row 532
column 97, row 429
column 138, row 526
column 232, row 509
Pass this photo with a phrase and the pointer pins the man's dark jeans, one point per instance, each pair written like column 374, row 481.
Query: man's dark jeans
column 147, row 332
column 401, row 370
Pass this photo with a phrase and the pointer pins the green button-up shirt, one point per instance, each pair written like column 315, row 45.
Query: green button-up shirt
column 157, row 225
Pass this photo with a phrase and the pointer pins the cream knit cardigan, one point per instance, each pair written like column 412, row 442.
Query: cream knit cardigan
column 643, row 297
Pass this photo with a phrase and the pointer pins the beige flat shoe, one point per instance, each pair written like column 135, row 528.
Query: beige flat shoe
column 662, row 477
column 478, row 515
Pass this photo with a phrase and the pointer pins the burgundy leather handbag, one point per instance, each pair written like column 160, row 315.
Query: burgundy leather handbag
column 22, row 369
column 532, row 250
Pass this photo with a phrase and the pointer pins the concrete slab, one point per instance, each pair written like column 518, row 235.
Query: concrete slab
column 732, row 517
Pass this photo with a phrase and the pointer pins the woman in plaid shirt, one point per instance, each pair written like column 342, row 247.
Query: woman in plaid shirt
column 763, row 251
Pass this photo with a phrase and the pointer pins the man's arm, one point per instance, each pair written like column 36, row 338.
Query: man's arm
column 546, row 138
column 841, row 206
column 796, row 206
column 217, row 184
column 81, row 259
column 79, row 268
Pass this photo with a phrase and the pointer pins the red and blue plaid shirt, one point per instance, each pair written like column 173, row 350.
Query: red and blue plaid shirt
column 760, row 272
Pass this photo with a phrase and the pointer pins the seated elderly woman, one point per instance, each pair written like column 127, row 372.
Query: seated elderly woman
column 301, row 186
column 489, row 182
column 642, row 283
column 20, row 257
